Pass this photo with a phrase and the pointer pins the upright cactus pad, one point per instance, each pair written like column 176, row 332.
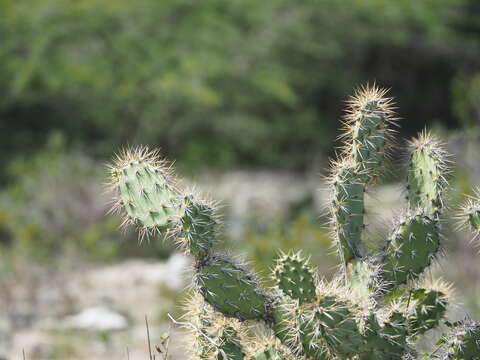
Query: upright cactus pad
column 295, row 278
column 352, row 317
column 347, row 209
column 145, row 191
column 231, row 289
column 426, row 174
column 368, row 131
column 410, row 249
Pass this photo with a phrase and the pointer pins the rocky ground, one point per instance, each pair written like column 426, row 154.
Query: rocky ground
column 97, row 312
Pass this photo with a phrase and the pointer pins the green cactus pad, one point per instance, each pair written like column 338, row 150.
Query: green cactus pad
column 295, row 278
column 430, row 308
column 328, row 328
column 230, row 289
column 347, row 209
column 145, row 192
column 198, row 227
column 367, row 131
column 465, row 343
column 426, row 173
column 410, row 249
column 387, row 342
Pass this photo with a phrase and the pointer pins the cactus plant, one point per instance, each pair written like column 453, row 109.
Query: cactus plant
column 375, row 308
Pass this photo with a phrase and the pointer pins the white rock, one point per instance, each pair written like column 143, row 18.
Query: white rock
column 97, row 318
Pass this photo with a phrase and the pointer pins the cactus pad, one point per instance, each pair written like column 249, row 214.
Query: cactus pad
column 367, row 125
column 230, row 289
column 198, row 227
column 426, row 174
column 347, row 209
column 145, row 191
column 295, row 278
column 410, row 249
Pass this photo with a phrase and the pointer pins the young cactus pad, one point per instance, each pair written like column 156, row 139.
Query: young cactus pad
column 426, row 174
column 144, row 190
column 375, row 307
column 368, row 129
column 295, row 278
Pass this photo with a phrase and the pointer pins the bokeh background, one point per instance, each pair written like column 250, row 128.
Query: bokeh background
column 246, row 96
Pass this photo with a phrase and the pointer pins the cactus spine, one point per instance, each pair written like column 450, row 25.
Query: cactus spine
column 375, row 308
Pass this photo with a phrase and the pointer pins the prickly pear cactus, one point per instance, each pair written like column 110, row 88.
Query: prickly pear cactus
column 377, row 306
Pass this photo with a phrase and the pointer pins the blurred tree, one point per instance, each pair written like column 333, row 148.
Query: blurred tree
column 221, row 82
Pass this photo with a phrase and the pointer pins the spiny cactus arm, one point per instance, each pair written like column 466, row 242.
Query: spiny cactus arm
column 294, row 277
column 410, row 249
column 347, row 209
column 368, row 131
column 428, row 168
column 367, row 138
column 265, row 346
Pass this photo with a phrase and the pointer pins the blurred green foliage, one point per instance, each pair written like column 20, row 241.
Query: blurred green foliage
column 226, row 82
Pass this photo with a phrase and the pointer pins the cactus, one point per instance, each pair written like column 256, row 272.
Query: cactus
column 375, row 308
